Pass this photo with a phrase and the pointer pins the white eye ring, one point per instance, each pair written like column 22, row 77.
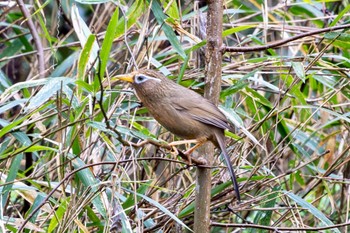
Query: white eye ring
column 141, row 78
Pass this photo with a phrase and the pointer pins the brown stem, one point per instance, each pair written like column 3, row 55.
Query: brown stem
column 212, row 90
column 282, row 42
column 277, row 229
column 36, row 38
column 66, row 178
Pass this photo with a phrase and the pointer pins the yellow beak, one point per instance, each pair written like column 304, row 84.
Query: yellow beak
column 124, row 77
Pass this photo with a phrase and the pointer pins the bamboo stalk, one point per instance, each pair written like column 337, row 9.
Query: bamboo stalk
column 212, row 91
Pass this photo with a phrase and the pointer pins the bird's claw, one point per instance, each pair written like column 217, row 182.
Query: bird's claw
column 189, row 157
column 174, row 151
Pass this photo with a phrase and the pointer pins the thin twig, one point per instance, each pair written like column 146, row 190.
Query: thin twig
column 68, row 45
column 235, row 225
column 70, row 175
column 36, row 38
column 281, row 42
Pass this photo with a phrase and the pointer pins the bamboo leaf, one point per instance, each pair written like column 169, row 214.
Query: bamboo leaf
column 299, row 70
column 160, row 16
column 108, row 41
column 314, row 211
column 47, row 91
column 84, row 33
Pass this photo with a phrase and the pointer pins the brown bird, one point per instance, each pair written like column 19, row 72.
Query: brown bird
column 183, row 112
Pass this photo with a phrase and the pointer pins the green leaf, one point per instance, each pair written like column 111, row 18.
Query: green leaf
column 343, row 117
column 87, row 178
column 236, row 29
column 339, row 36
column 47, row 91
column 108, row 41
column 239, row 85
column 130, row 201
column 84, row 85
column 299, row 70
column 183, row 68
column 313, row 210
column 172, row 10
column 59, row 213
column 160, row 16
column 299, row 178
column 85, row 57
column 121, row 129
column 10, row 50
column 42, row 23
column 160, row 207
column 92, row 1
column 307, row 10
column 83, row 32
column 7, row 127
column 37, row 201
column 12, row 174
column 11, row 105
column 257, row 97
column 339, row 16
column 66, row 64
column 145, row 131
column 272, row 199
column 36, row 148
column 133, row 13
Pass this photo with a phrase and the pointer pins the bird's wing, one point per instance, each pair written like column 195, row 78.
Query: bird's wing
column 202, row 110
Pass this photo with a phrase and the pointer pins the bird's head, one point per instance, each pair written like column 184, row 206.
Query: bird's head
column 146, row 82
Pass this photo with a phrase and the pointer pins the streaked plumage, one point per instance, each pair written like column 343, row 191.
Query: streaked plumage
column 182, row 111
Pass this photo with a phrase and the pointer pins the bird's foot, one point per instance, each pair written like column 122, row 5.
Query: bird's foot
column 192, row 160
column 186, row 157
column 174, row 150
column 189, row 157
column 187, row 154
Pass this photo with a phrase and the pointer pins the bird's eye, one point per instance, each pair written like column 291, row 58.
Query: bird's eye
column 140, row 79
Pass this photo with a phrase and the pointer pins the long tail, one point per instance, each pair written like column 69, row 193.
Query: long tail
column 221, row 141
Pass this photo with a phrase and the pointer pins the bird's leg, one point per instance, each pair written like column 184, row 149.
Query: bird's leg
column 176, row 143
column 189, row 151
column 173, row 145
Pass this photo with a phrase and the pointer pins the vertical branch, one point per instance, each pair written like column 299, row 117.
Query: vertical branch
column 213, row 52
column 36, row 38
column 213, row 59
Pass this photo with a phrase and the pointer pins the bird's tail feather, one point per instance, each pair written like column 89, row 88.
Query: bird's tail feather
column 221, row 142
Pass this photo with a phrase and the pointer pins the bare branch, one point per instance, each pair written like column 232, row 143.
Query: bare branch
column 282, row 42
column 36, row 38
